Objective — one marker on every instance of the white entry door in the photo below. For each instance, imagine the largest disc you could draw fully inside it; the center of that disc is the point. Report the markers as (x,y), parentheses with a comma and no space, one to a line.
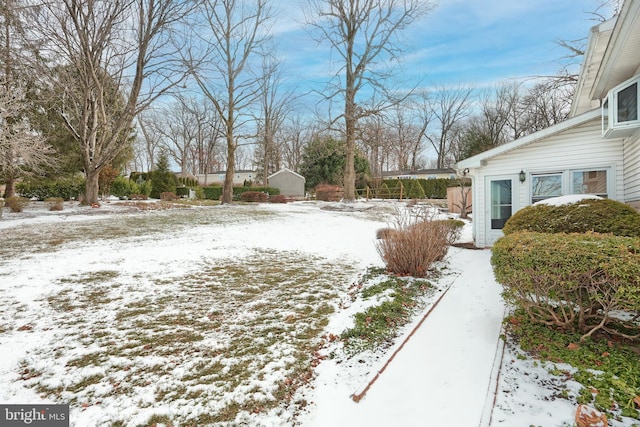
(500,204)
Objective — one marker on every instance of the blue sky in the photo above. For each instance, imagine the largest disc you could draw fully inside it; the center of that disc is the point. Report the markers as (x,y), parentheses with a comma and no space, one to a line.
(470,42)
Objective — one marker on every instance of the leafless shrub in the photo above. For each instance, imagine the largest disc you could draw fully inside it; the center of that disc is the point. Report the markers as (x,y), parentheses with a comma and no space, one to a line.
(168,196)
(384,233)
(329,193)
(55,203)
(16,203)
(278,198)
(254,196)
(415,243)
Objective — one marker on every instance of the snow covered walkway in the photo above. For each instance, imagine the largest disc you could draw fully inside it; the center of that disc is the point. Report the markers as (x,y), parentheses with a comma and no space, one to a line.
(442,375)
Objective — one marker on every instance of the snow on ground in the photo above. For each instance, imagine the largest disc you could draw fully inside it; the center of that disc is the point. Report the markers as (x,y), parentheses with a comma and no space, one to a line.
(444,370)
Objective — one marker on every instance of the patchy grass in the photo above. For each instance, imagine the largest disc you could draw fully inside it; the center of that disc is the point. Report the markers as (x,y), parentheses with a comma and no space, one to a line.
(608,370)
(395,300)
(232,339)
(48,237)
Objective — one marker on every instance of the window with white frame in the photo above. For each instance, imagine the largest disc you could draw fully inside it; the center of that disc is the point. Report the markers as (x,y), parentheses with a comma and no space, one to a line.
(545,185)
(620,115)
(575,181)
(589,182)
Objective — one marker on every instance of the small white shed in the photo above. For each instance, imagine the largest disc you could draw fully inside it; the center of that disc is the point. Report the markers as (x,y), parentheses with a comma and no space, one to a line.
(288,182)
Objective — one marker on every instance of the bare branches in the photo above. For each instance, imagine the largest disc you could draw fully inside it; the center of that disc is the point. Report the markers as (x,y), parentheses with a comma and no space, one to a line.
(234,37)
(114,57)
(450,106)
(363,34)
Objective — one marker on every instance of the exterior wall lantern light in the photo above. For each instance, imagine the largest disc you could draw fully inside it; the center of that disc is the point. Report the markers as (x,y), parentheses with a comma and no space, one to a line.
(522,176)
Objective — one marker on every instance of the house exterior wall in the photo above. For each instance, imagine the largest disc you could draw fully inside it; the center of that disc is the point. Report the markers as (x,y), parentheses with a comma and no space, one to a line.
(422,174)
(632,170)
(289,183)
(578,148)
(218,177)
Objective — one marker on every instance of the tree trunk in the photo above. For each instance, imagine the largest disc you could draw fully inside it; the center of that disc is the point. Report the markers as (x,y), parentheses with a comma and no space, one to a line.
(91,187)
(349,168)
(350,137)
(9,189)
(227,189)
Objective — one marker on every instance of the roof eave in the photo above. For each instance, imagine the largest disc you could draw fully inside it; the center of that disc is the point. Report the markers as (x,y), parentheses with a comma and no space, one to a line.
(625,24)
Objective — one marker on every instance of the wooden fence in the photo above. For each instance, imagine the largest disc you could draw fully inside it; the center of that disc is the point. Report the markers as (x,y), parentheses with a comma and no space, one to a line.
(455,196)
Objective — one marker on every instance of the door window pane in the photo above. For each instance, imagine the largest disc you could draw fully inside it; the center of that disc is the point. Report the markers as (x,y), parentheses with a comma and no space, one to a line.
(501,203)
(590,182)
(545,186)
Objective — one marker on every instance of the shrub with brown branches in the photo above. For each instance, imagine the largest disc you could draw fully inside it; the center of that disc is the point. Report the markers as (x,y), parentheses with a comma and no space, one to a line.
(582,282)
(415,244)
(329,193)
(278,198)
(168,196)
(16,203)
(55,203)
(254,196)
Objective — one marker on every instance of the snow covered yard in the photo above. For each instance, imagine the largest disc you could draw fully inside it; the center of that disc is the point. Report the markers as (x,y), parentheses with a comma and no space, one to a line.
(197,315)
(228,315)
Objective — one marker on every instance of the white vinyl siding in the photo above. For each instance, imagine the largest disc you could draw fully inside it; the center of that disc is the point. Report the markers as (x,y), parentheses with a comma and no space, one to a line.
(578,149)
(632,168)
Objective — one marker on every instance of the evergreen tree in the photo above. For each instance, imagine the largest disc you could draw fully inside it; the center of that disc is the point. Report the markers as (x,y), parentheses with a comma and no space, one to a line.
(323,163)
(162,179)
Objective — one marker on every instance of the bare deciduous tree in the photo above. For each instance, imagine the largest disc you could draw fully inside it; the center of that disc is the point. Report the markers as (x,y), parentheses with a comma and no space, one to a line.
(449,106)
(274,107)
(113,59)
(363,34)
(190,129)
(233,36)
(295,136)
(545,104)
(408,123)
(376,143)
(149,140)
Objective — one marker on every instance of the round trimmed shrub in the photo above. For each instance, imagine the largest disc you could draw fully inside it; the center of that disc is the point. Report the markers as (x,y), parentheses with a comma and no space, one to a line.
(329,192)
(598,215)
(254,196)
(573,281)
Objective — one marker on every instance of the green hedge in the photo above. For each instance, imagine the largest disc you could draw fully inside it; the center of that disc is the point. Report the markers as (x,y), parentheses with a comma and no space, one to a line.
(182,191)
(42,189)
(212,192)
(187,182)
(573,281)
(599,215)
(215,192)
